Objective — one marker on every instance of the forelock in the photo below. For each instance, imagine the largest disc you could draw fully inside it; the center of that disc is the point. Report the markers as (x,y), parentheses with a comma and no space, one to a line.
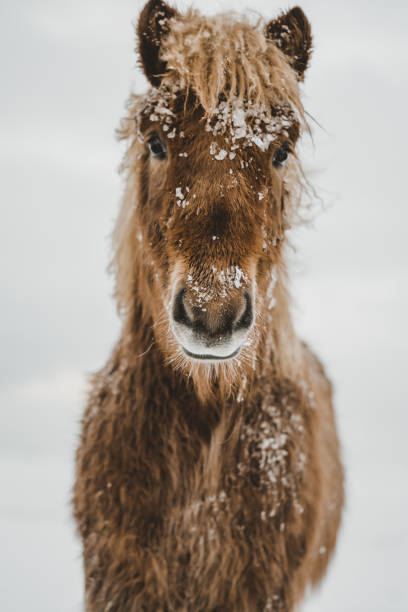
(227,58)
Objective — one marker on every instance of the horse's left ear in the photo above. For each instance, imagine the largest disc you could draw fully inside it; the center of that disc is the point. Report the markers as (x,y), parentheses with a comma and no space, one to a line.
(152,27)
(291,32)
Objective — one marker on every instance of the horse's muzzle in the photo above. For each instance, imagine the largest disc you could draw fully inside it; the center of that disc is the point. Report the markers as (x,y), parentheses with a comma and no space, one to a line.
(211,330)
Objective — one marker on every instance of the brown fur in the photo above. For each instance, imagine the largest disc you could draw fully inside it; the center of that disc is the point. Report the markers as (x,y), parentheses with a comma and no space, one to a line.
(208,486)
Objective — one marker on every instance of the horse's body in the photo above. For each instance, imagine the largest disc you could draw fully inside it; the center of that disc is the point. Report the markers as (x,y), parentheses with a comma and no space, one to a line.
(208,475)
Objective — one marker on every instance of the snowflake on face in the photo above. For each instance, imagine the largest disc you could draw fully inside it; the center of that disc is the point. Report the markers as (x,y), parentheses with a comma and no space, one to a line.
(247,125)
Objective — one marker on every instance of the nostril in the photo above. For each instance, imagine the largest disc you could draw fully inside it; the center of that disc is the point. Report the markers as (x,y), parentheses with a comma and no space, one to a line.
(245,319)
(180,314)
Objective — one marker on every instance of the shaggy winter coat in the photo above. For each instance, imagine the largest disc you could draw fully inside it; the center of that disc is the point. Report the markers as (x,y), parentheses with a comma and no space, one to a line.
(206,483)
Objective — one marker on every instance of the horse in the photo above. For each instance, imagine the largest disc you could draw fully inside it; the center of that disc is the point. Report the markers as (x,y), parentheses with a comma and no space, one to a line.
(208,471)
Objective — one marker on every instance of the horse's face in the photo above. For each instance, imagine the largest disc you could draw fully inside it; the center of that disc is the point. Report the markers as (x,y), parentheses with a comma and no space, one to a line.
(213,207)
(212,211)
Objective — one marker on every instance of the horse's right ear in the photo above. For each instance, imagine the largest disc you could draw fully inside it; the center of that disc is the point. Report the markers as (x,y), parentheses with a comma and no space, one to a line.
(152,27)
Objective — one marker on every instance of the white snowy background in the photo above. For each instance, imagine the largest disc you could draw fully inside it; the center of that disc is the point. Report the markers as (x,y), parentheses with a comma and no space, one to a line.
(66,68)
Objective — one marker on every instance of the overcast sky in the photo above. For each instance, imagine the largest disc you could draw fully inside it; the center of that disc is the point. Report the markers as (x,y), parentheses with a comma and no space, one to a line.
(67,68)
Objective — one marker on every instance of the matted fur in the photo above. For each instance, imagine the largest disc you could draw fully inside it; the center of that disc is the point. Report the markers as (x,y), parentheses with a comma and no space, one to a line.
(208,486)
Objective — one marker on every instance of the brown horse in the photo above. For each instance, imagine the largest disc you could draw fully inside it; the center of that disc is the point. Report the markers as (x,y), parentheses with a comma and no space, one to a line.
(208,472)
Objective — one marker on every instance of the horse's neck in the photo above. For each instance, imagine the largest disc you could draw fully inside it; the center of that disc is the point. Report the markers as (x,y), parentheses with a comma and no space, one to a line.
(280,344)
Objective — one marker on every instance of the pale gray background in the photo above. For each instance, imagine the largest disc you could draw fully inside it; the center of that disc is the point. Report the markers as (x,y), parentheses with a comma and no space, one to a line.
(66,69)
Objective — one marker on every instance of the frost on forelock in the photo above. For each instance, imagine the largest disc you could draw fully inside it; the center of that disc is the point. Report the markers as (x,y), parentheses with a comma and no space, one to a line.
(241,124)
(244,125)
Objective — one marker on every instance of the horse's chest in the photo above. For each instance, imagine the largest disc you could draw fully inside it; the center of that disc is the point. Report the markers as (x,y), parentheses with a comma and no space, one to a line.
(272,456)
(255,486)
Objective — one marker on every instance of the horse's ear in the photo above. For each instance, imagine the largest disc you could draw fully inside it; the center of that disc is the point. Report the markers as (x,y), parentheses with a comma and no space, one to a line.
(291,32)
(152,26)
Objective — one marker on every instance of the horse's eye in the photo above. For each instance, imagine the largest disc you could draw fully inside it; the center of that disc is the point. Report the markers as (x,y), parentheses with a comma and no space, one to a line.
(157,147)
(281,155)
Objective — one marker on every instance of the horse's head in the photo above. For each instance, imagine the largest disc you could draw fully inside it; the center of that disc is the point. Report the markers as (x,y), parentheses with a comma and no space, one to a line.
(212,172)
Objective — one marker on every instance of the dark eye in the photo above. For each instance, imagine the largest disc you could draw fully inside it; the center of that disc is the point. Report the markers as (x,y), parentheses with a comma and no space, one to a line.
(281,155)
(157,147)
